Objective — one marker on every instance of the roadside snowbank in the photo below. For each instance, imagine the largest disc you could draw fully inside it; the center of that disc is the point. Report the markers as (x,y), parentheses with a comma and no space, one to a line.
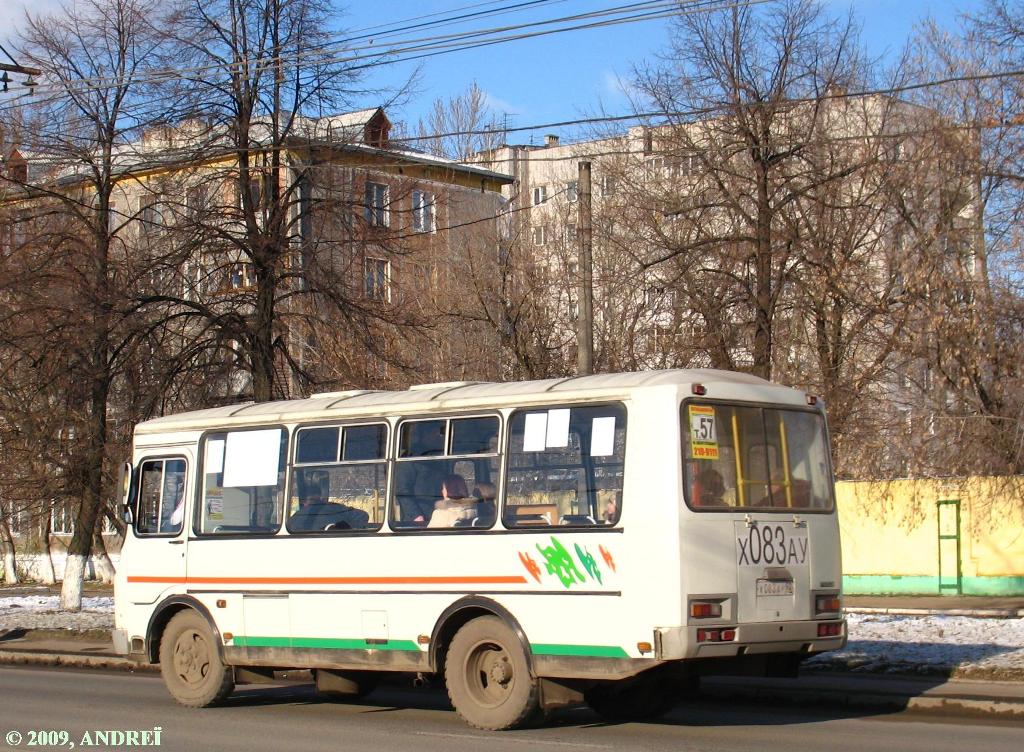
(961,645)
(41,612)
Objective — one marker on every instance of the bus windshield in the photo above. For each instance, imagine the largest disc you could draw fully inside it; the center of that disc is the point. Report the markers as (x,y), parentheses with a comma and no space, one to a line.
(759,457)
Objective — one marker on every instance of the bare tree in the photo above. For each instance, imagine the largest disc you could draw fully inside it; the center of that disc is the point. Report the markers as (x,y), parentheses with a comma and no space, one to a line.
(92,55)
(460,126)
(757,81)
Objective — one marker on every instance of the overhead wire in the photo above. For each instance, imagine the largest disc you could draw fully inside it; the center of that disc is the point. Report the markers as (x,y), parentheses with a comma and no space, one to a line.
(443,43)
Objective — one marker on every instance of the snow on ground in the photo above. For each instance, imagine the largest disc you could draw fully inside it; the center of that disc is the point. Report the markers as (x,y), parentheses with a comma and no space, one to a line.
(41,612)
(962,645)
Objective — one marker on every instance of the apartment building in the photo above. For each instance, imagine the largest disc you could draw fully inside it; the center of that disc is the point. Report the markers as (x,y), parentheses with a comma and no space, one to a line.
(716,247)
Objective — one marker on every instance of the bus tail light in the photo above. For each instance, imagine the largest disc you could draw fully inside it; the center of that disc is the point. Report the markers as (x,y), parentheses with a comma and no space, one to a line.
(827,604)
(699,389)
(812,399)
(705,610)
(716,635)
(831,629)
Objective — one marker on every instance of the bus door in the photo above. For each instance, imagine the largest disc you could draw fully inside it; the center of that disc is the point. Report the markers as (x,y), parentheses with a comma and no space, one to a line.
(157,543)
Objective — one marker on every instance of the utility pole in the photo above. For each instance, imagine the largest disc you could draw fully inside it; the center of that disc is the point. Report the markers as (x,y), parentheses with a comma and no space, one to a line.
(14,67)
(585,320)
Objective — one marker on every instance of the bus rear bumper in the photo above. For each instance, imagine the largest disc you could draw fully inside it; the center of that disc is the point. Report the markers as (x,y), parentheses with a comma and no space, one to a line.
(677,643)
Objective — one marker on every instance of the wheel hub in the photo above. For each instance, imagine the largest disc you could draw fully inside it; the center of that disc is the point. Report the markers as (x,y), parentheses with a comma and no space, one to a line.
(501,672)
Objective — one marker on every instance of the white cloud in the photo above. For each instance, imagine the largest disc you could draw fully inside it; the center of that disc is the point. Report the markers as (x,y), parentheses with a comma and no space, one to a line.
(12,14)
(618,87)
(500,105)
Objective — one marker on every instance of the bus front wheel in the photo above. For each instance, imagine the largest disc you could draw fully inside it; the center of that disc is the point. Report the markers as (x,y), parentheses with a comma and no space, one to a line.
(190,662)
(488,677)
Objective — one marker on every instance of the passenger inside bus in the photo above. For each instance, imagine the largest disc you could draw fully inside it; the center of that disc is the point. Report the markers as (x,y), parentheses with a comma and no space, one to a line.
(456,505)
(710,489)
(485,494)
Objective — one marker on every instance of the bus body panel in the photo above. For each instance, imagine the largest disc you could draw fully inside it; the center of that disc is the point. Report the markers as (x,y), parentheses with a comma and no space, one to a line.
(597,603)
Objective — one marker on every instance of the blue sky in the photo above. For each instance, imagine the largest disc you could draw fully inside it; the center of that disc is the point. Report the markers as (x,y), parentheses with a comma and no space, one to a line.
(560,77)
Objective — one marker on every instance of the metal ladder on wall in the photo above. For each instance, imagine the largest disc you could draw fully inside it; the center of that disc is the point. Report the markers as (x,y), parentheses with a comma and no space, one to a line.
(948,512)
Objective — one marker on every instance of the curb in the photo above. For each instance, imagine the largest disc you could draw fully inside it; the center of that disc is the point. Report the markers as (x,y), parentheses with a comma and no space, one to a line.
(725,688)
(75,660)
(980,613)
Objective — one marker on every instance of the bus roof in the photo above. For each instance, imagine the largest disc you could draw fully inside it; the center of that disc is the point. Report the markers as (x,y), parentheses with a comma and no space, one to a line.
(465,393)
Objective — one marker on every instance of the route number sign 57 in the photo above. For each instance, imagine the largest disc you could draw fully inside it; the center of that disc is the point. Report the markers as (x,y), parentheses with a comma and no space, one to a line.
(703,434)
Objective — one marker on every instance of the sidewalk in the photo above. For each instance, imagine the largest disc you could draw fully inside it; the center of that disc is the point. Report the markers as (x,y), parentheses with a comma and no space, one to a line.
(942,605)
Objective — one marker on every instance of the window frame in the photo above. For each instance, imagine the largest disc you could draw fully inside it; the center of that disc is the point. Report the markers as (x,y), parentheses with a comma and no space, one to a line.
(137,489)
(386,460)
(199,492)
(616,524)
(377,216)
(426,210)
(684,477)
(384,294)
(498,481)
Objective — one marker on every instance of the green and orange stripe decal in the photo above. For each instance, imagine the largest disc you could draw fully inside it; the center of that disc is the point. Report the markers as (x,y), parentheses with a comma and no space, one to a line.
(333,643)
(323,643)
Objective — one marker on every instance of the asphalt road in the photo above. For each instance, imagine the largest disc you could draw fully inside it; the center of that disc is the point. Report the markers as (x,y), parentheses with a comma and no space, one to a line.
(291,717)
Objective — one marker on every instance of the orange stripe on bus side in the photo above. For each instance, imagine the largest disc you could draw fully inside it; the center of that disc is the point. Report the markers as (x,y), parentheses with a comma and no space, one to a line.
(499,580)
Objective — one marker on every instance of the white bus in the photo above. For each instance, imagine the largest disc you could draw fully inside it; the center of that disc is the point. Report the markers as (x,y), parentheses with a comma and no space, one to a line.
(605,539)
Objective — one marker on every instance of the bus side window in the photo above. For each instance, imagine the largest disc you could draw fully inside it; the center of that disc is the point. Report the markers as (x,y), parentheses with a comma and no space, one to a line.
(442,474)
(565,466)
(243,481)
(342,487)
(161,497)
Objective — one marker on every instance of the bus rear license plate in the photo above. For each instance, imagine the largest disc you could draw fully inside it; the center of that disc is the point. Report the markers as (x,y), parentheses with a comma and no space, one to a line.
(774,587)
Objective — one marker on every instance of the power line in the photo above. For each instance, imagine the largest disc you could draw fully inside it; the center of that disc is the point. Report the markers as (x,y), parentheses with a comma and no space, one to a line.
(440,44)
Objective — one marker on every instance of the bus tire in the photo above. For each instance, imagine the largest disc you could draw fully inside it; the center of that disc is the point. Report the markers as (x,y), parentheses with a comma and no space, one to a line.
(488,676)
(190,662)
(638,698)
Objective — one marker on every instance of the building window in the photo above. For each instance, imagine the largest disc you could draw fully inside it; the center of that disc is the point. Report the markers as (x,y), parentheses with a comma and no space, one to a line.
(539,235)
(572,191)
(569,234)
(259,190)
(540,195)
(607,185)
(655,166)
(62,518)
(151,216)
(376,279)
(241,276)
(376,204)
(196,200)
(423,211)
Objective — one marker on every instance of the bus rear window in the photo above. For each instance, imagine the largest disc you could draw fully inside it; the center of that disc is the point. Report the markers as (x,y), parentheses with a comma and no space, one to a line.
(741,456)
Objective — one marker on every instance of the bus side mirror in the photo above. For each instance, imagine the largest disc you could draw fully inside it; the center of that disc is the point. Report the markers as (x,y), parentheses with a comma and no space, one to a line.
(125,486)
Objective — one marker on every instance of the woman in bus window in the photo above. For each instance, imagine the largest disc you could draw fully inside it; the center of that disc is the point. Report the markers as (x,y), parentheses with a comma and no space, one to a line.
(456,504)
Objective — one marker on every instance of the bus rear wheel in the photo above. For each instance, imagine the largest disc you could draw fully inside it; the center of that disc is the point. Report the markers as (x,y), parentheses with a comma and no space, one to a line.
(190,662)
(488,677)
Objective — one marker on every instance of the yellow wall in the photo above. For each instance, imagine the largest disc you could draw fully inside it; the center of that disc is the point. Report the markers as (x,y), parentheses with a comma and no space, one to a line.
(890,534)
